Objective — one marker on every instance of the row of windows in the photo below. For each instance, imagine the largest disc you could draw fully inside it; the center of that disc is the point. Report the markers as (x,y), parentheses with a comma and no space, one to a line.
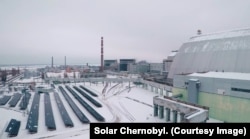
(241,90)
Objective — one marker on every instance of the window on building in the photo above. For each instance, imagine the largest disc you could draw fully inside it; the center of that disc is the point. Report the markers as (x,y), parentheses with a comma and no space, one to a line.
(240,90)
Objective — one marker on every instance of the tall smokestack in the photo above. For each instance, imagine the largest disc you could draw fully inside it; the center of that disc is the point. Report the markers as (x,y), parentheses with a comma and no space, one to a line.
(101,54)
(52,62)
(65,62)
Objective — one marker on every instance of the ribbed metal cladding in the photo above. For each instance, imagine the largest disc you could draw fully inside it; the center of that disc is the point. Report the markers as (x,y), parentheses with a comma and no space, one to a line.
(222,52)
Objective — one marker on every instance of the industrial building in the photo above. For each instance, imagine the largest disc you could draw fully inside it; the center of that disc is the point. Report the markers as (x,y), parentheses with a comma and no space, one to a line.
(111,64)
(156,67)
(168,62)
(123,64)
(139,67)
(212,70)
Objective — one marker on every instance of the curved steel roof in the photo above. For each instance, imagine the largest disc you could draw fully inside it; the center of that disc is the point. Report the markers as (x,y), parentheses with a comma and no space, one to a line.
(225,51)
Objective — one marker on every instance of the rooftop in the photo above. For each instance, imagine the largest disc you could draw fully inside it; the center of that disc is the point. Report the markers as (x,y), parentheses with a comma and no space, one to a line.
(221,35)
(223,75)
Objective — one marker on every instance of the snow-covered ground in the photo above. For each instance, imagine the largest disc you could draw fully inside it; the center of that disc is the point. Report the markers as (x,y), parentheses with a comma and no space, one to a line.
(120,104)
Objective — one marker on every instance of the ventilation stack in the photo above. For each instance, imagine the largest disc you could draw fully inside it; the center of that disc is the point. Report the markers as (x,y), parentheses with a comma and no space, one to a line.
(65,63)
(101,68)
(52,62)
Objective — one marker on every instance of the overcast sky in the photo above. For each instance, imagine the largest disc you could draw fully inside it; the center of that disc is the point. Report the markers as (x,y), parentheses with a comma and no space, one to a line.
(32,31)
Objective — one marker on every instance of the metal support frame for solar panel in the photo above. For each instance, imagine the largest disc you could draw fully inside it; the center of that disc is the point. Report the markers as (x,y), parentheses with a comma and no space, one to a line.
(16,97)
(64,114)
(32,122)
(49,117)
(13,127)
(89,91)
(93,101)
(74,107)
(92,111)
(25,101)
(4,100)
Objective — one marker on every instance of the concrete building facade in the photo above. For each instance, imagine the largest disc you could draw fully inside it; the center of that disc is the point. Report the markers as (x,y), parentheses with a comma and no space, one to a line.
(156,67)
(111,64)
(123,64)
(227,94)
(137,68)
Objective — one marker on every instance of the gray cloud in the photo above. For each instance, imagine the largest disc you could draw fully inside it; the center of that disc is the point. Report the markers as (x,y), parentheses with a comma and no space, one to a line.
(33,31)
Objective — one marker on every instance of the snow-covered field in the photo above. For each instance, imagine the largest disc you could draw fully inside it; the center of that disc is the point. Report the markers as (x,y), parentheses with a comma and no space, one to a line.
(120,104)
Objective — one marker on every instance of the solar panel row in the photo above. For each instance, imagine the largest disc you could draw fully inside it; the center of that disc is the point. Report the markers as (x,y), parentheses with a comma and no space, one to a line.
(13,127)
(74,107)
(4,100)
(89,91)
(64,114)
(92,111)
(16,97)
(32,122)
(97,104)
(25,101)
(49,117)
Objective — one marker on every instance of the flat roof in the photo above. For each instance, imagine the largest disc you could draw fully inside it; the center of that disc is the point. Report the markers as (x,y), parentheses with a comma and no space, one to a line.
(223,75)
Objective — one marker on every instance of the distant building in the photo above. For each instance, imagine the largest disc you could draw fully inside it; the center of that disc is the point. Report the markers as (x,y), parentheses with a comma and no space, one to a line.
(28,73)
(168,62)
(111,65)
(123,65)
(4,75)
(156,67)
(137,68)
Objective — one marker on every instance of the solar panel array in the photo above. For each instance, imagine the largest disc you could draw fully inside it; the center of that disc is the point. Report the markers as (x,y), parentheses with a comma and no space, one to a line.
(74,107)
(4,100)
(16,97)
(32,123)
(49,117)
(13,127)
(92,111)
(64,114)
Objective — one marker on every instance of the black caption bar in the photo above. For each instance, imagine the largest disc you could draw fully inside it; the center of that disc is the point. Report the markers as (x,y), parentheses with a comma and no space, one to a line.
(162,130)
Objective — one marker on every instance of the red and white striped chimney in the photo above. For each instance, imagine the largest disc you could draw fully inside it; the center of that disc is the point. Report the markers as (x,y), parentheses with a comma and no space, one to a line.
(101,54)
